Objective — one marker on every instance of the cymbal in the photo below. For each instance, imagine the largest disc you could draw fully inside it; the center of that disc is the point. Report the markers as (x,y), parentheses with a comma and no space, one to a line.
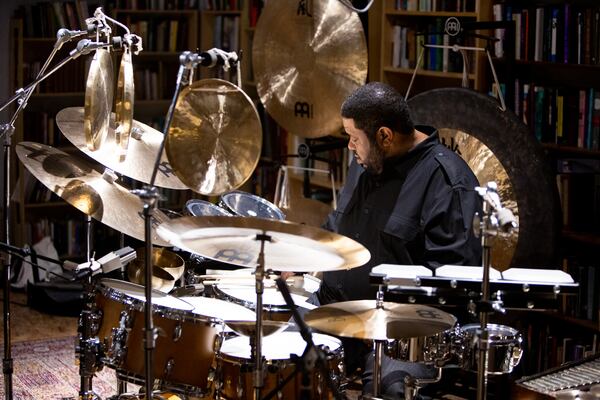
(294,247)
(360,319)
(215,138)
(248,328)
(167,267)
(141,151)
(98,99)
(124,102)
(75,180)
(306,64)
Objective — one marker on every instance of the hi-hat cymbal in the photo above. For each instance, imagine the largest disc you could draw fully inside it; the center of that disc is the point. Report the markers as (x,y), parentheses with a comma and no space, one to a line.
(76,181)
(215,138)
(360,319)
(142,149)
(98,99)
(293,247)
(306,61)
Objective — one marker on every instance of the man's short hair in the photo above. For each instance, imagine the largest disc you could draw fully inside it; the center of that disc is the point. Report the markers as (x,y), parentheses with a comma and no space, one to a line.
(375,105)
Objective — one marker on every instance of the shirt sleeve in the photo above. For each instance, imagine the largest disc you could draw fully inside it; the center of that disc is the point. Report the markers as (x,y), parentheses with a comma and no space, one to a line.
(447,220)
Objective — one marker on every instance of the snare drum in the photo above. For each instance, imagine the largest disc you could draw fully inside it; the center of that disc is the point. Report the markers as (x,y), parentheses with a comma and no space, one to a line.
(504,348)
(236,369)
(248,205)
(202,208)
(430,350)
(185,346)
(274,306)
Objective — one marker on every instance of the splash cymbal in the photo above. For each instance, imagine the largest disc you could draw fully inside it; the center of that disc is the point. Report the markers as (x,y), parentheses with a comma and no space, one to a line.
(141,151)
(76,181)
(360,319)
(215,139)
(293,247)
(306,61)
(98,99)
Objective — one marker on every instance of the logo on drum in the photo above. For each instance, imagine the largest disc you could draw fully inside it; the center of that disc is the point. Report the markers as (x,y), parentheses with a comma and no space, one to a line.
(428,314)
(304,8)
(165,168)
(232,255)
(452,26)
(303,109)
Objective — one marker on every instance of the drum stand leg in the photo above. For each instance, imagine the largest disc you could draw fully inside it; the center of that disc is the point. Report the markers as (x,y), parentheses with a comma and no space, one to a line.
(412,385)
(258,377)
(88,349)
(121,386)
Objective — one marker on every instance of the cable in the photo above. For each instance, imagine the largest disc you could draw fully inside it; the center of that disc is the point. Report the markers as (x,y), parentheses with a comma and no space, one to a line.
(348,4)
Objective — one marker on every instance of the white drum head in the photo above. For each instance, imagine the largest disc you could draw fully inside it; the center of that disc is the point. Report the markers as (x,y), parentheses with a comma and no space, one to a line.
(215,308)
(278,346)
(137,292)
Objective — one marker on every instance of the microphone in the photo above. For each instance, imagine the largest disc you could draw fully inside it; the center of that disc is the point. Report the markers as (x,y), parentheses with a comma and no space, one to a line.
(506,219)
(216,57)
(86,46)
(110,262)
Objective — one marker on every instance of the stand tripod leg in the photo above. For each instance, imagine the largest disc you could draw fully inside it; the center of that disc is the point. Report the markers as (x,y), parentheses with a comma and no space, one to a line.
(7,361)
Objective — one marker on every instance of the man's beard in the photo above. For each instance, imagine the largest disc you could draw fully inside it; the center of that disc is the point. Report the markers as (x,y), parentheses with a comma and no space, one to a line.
(374,162)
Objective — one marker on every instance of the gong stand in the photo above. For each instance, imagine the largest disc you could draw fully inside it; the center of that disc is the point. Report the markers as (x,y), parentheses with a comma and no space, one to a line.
(494,221)
(22,95)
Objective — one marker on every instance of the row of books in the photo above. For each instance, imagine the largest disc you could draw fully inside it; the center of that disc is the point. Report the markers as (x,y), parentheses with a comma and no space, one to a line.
(563,33)
(68,235)
(146,84)
(162,5)
(160,34)
(44,19)
(579,194)
(62,80)
(226,33)
(436,5)
(43,129)
(254,9)
(565,116)
(407,45)
(585,304)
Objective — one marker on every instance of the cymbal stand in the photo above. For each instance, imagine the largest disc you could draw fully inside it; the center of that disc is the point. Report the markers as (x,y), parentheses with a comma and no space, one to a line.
(22,95)
(495,220)
(149,196)
(256,344)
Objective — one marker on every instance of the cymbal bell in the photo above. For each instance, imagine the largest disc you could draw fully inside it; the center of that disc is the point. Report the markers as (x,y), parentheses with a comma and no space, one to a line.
(293,247)
(215,138)
(142,149)
(361,319)
(75,180)
(306,61)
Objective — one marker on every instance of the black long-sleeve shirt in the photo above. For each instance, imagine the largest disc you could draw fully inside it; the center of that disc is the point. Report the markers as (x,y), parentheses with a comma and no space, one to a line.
(418,211)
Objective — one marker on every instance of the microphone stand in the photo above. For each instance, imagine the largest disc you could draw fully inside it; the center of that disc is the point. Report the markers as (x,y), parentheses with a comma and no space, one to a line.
(149,196)
(312,356)
(7,131)
(495,220)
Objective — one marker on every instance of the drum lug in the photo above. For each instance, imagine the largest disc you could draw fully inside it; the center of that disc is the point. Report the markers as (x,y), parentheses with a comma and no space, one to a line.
(240,387)
(217,343)
(118,347)
(169,367)
(177,331)
(95,321)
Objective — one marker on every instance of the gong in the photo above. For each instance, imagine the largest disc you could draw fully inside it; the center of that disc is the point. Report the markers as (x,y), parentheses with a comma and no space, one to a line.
(499,147)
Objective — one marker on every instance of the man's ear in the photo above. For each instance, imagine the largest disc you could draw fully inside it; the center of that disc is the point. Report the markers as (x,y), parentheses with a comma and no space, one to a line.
(384,136)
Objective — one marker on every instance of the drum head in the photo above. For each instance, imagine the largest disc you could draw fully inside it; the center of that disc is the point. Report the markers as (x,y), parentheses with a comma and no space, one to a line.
(202,208)
(496,333)
(249,205)
(215,308)
(121,290)
(247,295)
(278,346)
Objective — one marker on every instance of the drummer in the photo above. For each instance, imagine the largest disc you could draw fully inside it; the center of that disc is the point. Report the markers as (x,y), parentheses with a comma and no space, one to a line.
(408,199)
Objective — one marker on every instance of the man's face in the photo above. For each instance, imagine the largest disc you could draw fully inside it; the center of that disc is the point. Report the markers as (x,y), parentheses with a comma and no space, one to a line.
(368,154)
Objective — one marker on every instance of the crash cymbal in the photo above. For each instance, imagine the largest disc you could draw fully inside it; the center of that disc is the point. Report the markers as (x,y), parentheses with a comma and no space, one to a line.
(124,102)
(98,99)
(75,180)
(360,319)
(306,61)
(141,152)
(215,138)
(248,328)
(499,147)
(293,247)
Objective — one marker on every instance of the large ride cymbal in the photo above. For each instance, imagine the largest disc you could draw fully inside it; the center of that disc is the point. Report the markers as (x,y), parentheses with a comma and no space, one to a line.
(293,247)
(215,138)
(306,61)
(98,99)
(76,181)
(361,319)
(142,149)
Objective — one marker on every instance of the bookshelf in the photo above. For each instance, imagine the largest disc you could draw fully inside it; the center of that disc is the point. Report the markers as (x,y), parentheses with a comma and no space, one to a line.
(405,26)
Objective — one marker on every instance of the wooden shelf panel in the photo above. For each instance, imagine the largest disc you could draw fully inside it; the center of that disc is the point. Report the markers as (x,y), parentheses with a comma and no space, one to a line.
(571,151)
(583,323)
(430,14)
(425,72)
(588,238)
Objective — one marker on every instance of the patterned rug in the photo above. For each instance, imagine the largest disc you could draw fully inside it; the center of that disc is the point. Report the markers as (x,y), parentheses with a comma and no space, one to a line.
(47,370)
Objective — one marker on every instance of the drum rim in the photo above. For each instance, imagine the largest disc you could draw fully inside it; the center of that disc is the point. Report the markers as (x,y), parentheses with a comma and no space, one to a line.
(249,304)
(191,202)
(514,333)
(258,199)
(220,320)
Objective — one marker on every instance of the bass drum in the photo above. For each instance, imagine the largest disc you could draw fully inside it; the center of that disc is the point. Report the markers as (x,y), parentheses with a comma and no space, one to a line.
(499,147)
(249,205)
